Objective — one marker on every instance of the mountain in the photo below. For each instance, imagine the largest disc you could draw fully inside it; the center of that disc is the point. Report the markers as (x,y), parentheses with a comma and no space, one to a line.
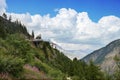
(21,58)
(105,56)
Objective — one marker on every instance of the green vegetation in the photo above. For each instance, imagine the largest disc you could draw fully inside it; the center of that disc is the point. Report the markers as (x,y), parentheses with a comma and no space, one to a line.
(7,27)
(15,52)
(82,71)
(11,65)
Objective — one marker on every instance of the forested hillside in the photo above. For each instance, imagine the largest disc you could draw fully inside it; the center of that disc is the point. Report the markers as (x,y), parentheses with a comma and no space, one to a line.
(8,27)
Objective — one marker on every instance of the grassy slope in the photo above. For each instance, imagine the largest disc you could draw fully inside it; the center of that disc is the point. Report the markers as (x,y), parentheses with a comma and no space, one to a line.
(39,62)
(16,52)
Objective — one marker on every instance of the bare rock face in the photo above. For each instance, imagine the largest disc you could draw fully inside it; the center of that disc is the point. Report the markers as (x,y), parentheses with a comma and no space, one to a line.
(109,64)
(104,57)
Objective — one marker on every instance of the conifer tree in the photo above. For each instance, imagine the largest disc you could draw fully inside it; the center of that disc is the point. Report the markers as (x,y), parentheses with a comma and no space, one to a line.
(94,72)
(10,18)
(4,16)
(32,34)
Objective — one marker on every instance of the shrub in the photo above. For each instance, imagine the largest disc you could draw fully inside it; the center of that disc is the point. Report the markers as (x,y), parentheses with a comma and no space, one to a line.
(56,74)
(40,66)
(11,65)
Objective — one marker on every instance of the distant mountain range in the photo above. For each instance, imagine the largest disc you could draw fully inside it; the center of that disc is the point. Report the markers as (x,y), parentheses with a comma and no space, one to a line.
(105,56)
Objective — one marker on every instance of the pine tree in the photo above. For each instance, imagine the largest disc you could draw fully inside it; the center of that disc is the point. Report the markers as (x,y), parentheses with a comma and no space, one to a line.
(10,18)
(32,34)
(4,16)
(94,72)
(2,30)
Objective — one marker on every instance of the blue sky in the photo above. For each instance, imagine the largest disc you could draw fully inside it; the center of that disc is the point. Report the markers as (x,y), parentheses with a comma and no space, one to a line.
(78,26)
(95,8)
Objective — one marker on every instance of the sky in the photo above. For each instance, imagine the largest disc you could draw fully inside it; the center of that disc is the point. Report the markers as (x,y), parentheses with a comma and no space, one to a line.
(78,26)
(95,8)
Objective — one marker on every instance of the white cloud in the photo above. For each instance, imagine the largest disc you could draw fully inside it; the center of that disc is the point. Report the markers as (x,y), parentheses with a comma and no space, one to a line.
(72,46)
(86,29)
(72,30)
(2,6)
(77,54)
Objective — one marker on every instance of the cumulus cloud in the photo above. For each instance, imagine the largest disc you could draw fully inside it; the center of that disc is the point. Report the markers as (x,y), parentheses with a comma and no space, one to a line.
(72,30)
(2,6)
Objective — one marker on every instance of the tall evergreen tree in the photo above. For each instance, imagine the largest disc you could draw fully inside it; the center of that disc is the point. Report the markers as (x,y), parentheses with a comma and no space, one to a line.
(94,72)
(4,16)
(10,18)
(32,34)
(2,31)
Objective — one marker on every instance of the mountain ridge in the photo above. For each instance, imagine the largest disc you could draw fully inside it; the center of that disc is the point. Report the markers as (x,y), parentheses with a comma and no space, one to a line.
(105,56)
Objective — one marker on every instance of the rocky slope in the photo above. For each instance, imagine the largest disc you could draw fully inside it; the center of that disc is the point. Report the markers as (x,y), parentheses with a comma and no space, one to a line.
(105,56)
